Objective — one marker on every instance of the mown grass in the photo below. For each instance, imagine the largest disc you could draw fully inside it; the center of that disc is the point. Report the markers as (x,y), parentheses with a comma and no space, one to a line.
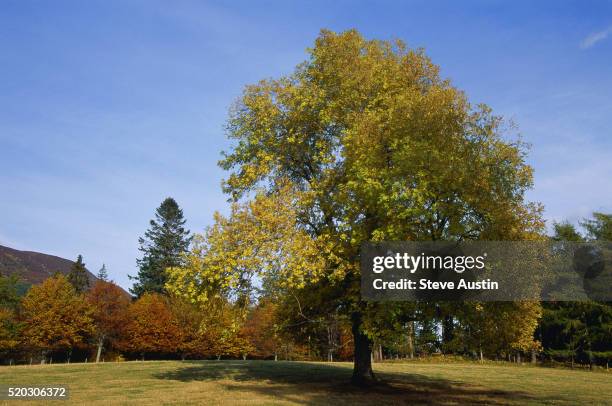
(311,383)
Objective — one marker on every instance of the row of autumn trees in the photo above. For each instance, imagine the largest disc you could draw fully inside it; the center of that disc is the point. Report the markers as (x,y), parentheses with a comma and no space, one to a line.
(55,322)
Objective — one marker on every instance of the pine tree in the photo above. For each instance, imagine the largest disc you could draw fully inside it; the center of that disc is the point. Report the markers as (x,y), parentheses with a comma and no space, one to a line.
(9,292)
(162,246)
(566,231)
(78,276)
(579,331)
(102,274)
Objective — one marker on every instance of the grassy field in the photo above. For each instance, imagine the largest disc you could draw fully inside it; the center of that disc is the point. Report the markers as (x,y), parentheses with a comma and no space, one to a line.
(310,383)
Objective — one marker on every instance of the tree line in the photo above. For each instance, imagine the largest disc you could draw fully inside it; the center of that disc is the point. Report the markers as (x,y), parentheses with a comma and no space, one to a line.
(55,323)
(66,319)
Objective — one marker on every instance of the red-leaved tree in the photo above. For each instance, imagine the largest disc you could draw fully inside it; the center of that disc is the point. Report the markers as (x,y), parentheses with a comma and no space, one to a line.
(152,327)
(110,306)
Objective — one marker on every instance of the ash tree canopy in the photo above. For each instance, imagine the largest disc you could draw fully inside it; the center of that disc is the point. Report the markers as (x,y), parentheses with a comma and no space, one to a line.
(363,141)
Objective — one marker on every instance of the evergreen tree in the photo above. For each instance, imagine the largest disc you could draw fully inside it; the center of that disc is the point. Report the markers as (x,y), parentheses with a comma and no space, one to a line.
(579,331)
(102,274)
(78,276)
(9,293)
(599,228)
(566,231)
(162,246)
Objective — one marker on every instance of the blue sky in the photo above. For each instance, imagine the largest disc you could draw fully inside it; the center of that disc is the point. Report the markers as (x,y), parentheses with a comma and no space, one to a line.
(107,107)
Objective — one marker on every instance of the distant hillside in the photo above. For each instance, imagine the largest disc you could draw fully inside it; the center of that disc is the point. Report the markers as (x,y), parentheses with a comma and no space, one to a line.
(34,267)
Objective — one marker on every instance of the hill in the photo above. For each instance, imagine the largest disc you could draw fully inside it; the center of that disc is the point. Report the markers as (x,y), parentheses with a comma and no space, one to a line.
(34,267)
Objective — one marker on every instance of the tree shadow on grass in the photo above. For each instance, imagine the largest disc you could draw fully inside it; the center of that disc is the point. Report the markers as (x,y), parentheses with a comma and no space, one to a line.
(319,383)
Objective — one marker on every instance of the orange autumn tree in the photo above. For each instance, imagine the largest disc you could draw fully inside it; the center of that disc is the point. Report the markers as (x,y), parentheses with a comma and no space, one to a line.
(211,330)
(110,306)
(55,317)
(152,327)
(261,330)
(193,343)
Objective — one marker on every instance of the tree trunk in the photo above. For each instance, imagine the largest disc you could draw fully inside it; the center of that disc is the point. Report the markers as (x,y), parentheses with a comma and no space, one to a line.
(448,331)
(362,366)
(330,357)
(411,339)
(99,352)
(534,358)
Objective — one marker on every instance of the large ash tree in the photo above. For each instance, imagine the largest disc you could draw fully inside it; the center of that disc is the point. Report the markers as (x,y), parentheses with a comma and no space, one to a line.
(162,246)
(363,141)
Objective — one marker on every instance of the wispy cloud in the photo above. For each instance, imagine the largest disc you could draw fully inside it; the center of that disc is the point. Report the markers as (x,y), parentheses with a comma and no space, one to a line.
(595,37)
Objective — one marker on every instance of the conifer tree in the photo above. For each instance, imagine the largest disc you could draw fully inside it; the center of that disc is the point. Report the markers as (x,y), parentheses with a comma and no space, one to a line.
(102,274)
(9,293)
(599,228)
(579,331)
(78,276)
(162,246)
